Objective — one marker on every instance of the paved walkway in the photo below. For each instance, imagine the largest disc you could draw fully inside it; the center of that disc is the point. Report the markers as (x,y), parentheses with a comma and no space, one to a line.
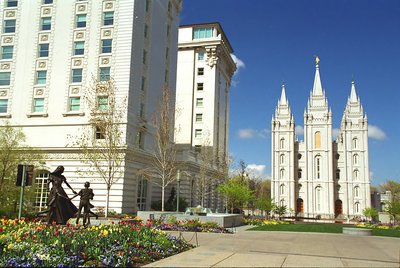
(286,249)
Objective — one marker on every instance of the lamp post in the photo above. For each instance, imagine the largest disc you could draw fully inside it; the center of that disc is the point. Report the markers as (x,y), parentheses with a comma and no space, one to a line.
(178,179)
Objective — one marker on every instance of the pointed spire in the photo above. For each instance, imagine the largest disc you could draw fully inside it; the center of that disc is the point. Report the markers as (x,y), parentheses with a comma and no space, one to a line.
(353,94)
(283,96)
(317,89)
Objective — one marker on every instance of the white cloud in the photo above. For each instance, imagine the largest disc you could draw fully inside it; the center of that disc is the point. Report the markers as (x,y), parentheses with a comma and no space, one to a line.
(249,133)
(239,63)
(299,130)
(375,132)
(335,133)
(255,170)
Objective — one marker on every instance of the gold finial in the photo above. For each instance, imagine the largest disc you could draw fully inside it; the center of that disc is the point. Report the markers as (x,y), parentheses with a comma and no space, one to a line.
(317,60)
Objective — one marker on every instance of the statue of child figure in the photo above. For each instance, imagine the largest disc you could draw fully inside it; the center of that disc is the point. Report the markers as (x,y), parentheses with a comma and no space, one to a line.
(86,195)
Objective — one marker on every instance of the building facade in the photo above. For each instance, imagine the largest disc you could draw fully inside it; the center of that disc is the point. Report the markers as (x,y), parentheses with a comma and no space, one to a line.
(51,52)
(204,72)
(319,177)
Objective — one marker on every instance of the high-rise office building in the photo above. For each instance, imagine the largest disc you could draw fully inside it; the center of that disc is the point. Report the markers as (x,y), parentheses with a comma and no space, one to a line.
(51,50)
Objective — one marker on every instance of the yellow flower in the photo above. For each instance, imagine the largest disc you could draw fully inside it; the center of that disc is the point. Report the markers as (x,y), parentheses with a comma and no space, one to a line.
(10,246)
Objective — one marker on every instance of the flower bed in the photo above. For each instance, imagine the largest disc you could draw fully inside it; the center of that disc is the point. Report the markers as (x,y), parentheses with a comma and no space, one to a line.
(24,243)
(262,221)
(187,226)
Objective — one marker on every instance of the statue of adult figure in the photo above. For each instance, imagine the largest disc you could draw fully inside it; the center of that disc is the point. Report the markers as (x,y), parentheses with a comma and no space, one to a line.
(60,207)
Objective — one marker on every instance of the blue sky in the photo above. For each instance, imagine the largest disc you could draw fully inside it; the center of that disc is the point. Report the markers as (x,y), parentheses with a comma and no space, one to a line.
(276,40)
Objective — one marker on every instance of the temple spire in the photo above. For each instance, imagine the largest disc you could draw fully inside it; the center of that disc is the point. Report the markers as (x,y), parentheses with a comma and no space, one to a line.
(317,89)
(353,94)
(283,100)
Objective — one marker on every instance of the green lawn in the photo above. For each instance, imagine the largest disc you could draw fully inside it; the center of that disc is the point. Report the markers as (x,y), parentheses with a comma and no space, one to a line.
(320,228)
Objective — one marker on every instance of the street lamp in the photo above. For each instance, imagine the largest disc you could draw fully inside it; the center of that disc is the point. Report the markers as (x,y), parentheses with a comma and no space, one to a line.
(178,179)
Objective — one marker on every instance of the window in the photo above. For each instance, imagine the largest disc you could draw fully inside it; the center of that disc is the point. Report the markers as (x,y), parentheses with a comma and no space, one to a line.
(198,133)
(318,191)
(106,46)
(282,143)
(282,173)
(142,193)
(104,73)
(355,143)
(357,208)
(199,118)
(3,105)
(41,190)
(47,2)
(38,105)
(146,30)
(46,24)
(141,112)
(169,7)
(282,189)
(99,134)
(41,77)
(199,102)
(356,174)
(282,159)
(317,140)
(108,18)
(74,104)
(166,52)
(355,159)
(140,139)
(43,50)
(7,52)
(12,3)
(200,86)
(200,55)
(166,75)
(79,48)
(299,173)
(143,84)
(102,103)
(168,29)
(282,202)
(147,5)
(144,57)
(76,75)
(338,174)
(200,71)
(356,191)
(9,26)
(318,167)
(206,32)
(81,21)
(5,79)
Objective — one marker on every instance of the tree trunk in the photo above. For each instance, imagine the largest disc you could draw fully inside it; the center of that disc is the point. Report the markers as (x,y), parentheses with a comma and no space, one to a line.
(107,200)
(162,198)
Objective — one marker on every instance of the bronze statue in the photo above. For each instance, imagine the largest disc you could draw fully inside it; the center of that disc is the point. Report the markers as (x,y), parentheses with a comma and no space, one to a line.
(60,207)
(86,195)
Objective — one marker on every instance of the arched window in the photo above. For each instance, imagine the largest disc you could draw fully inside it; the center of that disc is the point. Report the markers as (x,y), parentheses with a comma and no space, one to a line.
(41,191)
(282,160)
(282,202)
(282,189)
(318,167)
(355,159)
(299,171)
(356,175)
(282,173)
(357,208)
(338,174)
(317,140)
(282,143)
(318,194)
(355,143)
(356,191)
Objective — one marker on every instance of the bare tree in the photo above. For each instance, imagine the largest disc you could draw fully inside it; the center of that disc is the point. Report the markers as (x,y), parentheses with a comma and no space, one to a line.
(102,143)
(206,180)
(164,168)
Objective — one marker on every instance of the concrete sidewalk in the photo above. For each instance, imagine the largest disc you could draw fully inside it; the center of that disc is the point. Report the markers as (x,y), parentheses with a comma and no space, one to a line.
(285,249)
